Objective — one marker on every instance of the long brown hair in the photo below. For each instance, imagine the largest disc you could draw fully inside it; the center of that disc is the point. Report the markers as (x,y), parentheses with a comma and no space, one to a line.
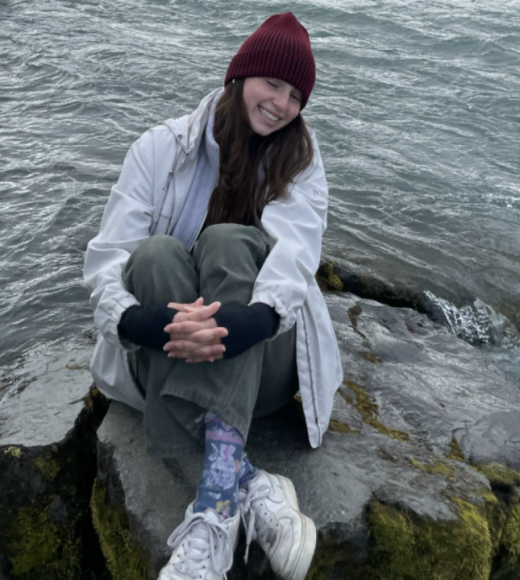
(239,197)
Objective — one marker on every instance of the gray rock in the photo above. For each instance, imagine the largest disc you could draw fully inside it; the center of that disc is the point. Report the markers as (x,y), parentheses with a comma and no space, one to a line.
(386,470)
(334,484)
(425,381)
(46,410)
(353,278)
(47,465)
(495,437)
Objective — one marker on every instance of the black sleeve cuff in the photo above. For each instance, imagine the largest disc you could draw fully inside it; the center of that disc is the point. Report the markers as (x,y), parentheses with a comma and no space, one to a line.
(247,325)
(144,325)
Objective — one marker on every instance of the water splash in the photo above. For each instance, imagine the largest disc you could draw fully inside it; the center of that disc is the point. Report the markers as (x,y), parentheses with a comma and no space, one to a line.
(477,323)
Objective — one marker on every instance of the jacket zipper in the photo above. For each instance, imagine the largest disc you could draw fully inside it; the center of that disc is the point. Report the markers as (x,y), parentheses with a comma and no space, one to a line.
(313,394)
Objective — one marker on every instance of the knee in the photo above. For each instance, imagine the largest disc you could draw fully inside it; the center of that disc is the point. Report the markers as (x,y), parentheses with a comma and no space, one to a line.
(230,244)
(154,248)
(221,233)
(231,236)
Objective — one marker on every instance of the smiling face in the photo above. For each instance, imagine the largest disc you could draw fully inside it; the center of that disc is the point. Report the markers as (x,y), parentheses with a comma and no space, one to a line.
(270,104)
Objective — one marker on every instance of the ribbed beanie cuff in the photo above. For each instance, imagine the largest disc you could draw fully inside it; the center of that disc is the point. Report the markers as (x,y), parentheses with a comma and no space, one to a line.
(280,49)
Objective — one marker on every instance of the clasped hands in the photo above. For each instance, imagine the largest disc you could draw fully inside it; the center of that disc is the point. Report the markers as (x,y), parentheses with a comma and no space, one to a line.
(194,334)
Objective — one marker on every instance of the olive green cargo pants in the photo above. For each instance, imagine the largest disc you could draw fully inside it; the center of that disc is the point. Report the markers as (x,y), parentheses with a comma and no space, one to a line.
(223,266)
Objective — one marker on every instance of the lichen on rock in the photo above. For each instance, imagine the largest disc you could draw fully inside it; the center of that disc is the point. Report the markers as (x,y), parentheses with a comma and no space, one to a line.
(406,548)
(42,547)
(438,467)
(341,427)
(369,411)
(499,476)
(327,277)
(125,560)
(47,466)
(455,453)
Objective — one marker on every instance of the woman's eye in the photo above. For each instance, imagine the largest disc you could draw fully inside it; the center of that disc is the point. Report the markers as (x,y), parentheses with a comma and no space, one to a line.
(296,98)
(272,84)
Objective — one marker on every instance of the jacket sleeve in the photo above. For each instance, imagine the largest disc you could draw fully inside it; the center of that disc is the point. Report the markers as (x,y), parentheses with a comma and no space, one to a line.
(126,222)
(296,225)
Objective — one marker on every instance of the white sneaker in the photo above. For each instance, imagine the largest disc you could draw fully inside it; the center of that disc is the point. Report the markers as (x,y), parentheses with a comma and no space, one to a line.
(203,546)
(270,513)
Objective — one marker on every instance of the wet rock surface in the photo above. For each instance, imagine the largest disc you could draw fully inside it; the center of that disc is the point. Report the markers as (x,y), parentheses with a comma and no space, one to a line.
(391,490)
(47,465)
(494,437)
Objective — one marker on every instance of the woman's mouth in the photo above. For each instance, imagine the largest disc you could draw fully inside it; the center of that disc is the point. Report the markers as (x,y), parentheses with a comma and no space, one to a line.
(269,115)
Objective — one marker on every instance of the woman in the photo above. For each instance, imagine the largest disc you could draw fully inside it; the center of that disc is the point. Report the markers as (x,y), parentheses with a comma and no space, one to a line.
(202,280)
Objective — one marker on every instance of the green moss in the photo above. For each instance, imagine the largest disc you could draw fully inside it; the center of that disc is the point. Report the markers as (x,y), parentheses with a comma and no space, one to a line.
(84,367)
(496,517)
(48,466)
(341,427)
(455,453)
(39,547)
(499,476)
(13,451)
(437,468)
(369,356)
(327,277)
(369,412)
(511,534)
(404,549)
(125,560)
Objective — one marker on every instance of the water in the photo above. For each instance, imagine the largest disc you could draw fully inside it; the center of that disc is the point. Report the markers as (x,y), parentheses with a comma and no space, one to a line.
(416,109)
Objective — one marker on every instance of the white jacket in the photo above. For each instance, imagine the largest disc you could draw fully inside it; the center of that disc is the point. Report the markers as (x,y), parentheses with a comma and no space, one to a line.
(147,200)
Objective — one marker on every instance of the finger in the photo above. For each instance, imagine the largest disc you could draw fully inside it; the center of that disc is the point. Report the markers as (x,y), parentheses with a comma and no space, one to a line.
(190,326)
(183,307)
(178,306)
(196,340)
(209,335)
(189,350)
(189,344)
(194,305)
(200,314)
(188,347)
(186,332)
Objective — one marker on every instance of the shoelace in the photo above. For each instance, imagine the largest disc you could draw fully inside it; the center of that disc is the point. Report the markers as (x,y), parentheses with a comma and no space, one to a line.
(208,540)
(261,492)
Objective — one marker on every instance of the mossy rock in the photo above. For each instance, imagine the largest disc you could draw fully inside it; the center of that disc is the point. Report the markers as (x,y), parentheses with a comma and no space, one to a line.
(499,476)
(405,548)
(45,525)
(455,453)
(43,548)
(125,560)
(437,467)
(369,411)
(327,277)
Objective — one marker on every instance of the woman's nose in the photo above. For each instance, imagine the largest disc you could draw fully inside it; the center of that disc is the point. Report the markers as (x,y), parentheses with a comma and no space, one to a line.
(281,100)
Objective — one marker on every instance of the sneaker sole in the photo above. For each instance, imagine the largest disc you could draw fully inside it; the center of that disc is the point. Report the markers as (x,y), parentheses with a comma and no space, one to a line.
(308,544)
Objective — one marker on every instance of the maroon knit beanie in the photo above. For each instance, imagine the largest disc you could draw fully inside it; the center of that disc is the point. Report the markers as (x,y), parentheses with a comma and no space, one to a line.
(280,49)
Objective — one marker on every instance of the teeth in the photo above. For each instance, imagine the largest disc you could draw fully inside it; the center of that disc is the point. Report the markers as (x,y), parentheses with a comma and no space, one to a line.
(268,114)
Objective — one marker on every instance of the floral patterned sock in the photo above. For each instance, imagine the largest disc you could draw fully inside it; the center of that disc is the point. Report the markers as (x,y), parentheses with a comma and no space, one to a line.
(247,471)
(218,487)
